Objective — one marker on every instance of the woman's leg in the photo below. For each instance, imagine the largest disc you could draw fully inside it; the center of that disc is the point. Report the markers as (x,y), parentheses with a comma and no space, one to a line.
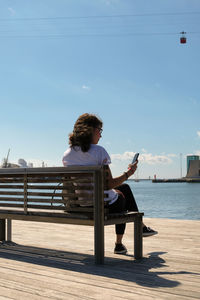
(131,205)
(130,202)
(117,207)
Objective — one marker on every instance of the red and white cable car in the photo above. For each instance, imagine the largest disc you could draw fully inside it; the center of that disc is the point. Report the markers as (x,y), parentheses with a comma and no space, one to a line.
(183,39)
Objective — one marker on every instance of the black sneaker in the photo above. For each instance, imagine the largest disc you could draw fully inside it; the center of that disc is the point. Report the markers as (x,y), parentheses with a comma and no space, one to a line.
(120,249)
(147,231)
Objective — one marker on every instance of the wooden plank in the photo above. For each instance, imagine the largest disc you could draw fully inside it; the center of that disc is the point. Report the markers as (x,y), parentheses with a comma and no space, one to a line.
(10,186)
(46,200)
(49,170)
(170,268)
(43,179)
(46,180)
(9,199)
(85,178)
(11,193)
(50,207)
(82,194)
(39,200)
(119,219)
(9,174)
(15,205)
(44,194)
(86,209)
(55,187)
(11,180)
(75,219)
(12,204)
(45,187)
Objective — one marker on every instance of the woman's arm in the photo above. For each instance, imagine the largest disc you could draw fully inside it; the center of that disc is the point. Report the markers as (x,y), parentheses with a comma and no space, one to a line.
(114,182)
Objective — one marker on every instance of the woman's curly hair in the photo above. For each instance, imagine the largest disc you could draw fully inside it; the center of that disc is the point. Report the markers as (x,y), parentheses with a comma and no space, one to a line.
(83,131)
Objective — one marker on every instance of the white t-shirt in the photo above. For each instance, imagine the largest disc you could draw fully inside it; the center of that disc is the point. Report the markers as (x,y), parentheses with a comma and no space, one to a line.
(96,155)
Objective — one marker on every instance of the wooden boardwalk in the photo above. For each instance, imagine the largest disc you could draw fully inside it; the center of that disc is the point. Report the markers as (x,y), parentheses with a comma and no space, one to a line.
(55,261)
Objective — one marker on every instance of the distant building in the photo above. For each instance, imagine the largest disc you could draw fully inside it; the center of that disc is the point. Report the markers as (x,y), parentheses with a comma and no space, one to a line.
(9,165)
(189,158)
(193,166)
(30,165)
(22,163)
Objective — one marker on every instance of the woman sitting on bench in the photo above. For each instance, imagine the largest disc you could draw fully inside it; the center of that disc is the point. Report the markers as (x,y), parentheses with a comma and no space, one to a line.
(85,151)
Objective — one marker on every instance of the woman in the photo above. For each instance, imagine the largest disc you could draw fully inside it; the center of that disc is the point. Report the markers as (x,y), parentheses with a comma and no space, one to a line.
(85,151)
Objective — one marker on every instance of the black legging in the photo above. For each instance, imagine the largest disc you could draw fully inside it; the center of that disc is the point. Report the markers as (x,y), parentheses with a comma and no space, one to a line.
(125,202)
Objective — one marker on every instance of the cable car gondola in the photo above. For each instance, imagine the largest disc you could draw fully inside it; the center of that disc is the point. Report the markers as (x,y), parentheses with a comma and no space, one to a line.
(183,39)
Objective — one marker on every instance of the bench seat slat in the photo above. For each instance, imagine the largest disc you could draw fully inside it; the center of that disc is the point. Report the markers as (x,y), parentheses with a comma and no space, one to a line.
(44,174)
(37,200)
(17,205)
(44,194)
(11,186)
(8,199)
(51,207)
(11,193)
(11,180)
(64,217)
(12,204)
(43,187)
(43,180)
(54,187)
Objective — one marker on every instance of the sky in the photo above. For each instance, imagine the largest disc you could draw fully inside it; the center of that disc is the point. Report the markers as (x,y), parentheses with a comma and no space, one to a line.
(119,59)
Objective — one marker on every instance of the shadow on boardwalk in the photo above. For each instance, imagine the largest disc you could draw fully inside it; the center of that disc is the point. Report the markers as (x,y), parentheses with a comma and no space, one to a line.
(137,271)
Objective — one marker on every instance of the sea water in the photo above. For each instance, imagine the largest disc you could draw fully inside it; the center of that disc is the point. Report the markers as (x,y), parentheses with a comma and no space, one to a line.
(167,200)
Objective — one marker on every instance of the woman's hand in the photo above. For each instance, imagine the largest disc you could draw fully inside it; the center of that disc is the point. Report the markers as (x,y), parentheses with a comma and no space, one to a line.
(132,168)
(114,182)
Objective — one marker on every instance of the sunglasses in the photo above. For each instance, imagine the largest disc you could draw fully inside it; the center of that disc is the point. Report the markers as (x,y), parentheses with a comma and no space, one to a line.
(100,130)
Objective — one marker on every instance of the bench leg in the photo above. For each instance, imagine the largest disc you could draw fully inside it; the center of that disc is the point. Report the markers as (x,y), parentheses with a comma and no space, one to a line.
(9,230)
(99,219)
(2,230)
(99,244)
(138,245)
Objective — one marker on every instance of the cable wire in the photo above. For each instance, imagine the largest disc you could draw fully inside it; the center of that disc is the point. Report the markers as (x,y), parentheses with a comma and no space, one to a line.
(99,17)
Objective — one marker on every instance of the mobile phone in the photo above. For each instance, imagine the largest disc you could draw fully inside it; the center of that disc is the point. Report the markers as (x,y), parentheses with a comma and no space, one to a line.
(135,158)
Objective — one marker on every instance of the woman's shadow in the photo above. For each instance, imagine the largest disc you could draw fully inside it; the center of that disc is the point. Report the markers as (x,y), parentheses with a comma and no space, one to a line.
(145,277)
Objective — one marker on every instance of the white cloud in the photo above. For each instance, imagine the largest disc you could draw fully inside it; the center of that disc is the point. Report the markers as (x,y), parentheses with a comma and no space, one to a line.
(125,156)
(198,133)
(147,158)
(172,155)
(155,159)
(85,87)
(12,11)
(144,150)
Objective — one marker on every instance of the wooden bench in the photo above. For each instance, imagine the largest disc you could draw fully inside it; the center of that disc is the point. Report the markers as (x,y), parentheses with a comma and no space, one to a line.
(57,195)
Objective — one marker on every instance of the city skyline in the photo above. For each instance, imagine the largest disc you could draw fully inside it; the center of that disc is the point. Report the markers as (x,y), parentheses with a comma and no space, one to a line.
(21,162)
